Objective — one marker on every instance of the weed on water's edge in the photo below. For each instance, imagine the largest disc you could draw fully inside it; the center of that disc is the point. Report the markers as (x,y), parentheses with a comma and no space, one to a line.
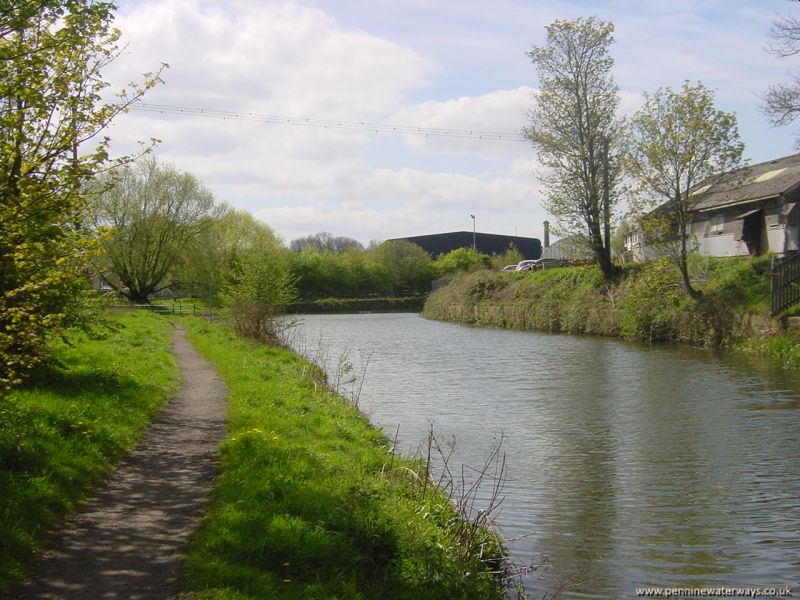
(311,502)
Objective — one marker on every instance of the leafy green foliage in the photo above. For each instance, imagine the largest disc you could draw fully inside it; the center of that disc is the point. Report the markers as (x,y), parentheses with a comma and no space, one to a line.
(408,264)
(258,284)
(351,273)
(461,260)
(51,56)
(390,268)
(61,429)
(574,128)
(311,503)
(648,302)
(678,140)
(511,256)
(150,215)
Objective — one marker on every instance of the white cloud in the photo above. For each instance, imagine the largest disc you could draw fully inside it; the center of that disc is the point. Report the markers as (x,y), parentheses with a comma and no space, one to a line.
(500,112)
(448,65)
(276,57)
(283,58)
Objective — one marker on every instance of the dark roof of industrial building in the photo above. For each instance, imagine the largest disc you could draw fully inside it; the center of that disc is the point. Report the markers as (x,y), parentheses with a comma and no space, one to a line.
(436,244)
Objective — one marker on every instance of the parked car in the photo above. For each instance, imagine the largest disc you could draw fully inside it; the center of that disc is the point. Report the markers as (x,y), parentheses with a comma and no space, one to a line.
(509,268)
(525,265)
(540,263)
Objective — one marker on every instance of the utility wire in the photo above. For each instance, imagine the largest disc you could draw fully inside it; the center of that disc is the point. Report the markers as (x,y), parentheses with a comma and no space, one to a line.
(366,126)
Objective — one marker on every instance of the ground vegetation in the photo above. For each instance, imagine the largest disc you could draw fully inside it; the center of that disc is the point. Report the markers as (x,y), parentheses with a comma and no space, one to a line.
(312,502)
(75,416)
(648,302)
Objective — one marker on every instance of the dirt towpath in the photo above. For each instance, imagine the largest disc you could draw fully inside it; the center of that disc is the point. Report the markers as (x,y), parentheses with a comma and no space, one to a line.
(126,541)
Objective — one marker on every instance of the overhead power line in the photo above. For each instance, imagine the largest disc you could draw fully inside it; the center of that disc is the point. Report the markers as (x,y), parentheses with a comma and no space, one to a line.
(365,126)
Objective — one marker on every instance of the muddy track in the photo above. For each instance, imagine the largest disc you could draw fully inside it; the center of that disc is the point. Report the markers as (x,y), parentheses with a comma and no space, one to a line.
(126,541)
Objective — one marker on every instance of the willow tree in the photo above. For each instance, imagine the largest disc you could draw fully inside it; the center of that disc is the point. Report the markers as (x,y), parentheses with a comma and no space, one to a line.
(574,127)
(679,144)
(52,118)
(150,215)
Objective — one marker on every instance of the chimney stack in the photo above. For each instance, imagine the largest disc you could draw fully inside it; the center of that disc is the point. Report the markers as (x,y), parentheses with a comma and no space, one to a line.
(547,234)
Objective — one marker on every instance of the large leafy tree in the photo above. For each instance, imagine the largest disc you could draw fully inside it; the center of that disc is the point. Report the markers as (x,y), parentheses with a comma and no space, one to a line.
(574,128)
(679,140)
(149,214)
(52,118)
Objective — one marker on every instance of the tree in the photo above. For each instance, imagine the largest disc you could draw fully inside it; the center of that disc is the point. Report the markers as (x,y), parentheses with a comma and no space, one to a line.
(408,265)
(781,101)
(52,53)
(573,126)
(461,260)
(259,285)
(510,257)
(325,242)
(679,140)
(224,236)
(149,214)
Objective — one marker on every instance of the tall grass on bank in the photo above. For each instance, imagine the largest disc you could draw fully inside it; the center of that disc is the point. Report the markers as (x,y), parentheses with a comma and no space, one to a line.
(647,302)
(311,503)
(66,426)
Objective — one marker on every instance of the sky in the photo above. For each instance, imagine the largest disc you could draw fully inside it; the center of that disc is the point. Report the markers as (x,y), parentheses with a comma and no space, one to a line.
(432,65)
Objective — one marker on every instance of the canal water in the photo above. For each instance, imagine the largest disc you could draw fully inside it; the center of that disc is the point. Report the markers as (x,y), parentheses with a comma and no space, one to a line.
(628,465)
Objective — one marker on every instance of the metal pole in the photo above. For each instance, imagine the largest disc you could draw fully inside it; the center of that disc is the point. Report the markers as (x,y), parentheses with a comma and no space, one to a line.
(474,246)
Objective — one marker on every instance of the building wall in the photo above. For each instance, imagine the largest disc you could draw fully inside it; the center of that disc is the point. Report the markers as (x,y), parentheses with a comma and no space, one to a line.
(566,249)
(729,239)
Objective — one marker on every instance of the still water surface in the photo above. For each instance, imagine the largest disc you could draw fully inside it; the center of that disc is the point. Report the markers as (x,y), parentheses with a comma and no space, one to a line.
(630,465)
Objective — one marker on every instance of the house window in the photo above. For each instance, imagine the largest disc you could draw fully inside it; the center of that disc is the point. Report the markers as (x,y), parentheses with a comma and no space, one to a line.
(717,224)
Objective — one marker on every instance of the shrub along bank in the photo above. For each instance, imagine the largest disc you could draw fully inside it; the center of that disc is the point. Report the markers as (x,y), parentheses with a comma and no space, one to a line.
(70,421)
(356,305)
(646,302)
(311,503)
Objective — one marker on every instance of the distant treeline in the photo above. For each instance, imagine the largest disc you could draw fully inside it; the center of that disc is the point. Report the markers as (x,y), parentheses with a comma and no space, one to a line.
(392,268)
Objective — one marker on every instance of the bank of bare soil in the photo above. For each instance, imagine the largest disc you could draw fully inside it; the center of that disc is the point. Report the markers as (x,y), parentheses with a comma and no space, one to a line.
(647,302)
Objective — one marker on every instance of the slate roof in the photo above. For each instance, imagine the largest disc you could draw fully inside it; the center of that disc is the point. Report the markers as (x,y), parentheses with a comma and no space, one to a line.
(755,182)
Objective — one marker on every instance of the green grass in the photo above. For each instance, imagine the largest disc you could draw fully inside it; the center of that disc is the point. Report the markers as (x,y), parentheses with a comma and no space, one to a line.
(647,302)
(310,502)
(61,431)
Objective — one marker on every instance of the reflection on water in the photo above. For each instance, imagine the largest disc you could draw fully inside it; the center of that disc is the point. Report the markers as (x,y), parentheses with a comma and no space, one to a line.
(631,465)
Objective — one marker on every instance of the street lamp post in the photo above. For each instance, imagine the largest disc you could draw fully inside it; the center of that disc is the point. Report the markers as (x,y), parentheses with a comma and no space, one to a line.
(474,246)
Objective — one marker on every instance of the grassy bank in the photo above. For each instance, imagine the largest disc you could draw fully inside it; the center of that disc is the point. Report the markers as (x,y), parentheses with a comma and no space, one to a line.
(647,302)
(311,503)
(62,430)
